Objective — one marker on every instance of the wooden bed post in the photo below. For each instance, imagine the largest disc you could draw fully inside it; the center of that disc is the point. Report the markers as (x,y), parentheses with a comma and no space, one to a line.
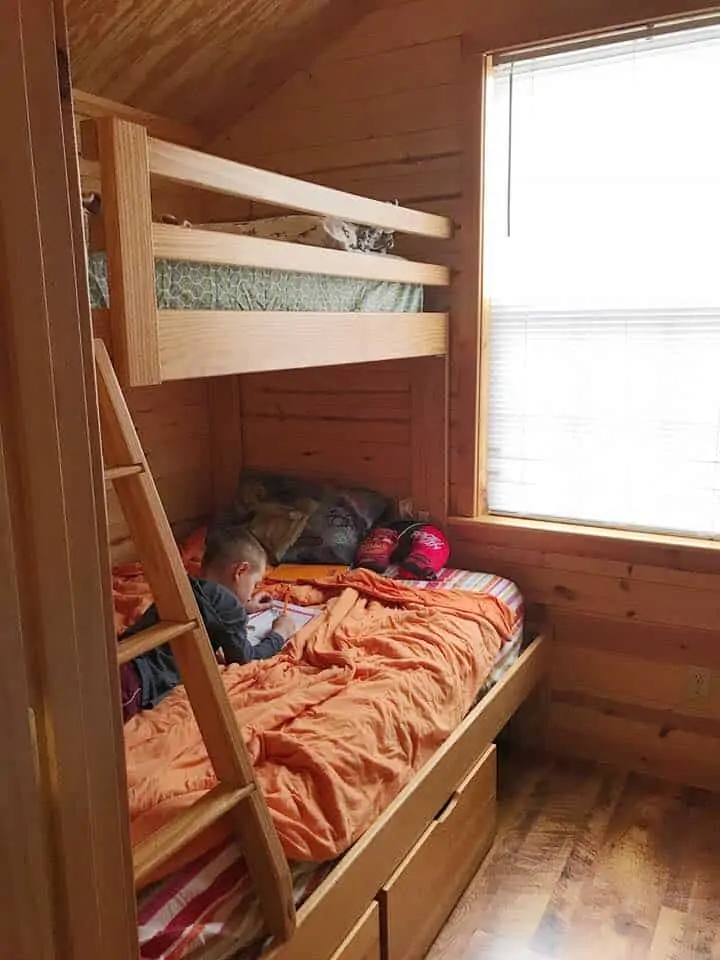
(428,435)
(122,149)
(66,889)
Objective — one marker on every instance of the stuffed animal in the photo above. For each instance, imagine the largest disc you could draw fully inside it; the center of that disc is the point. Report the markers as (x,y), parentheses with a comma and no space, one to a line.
(419,549)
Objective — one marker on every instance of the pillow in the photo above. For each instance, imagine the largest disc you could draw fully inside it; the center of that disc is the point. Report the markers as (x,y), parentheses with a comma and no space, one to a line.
(277,526)
(333,531)
(313,231)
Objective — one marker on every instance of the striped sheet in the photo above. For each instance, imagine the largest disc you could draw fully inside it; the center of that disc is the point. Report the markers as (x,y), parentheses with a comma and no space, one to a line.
(208,908)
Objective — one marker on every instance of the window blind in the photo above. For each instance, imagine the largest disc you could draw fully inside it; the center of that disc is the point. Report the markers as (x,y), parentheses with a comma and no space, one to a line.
(602,270)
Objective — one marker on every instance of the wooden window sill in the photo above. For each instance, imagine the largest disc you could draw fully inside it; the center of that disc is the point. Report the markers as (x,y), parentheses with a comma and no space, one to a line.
(633,547)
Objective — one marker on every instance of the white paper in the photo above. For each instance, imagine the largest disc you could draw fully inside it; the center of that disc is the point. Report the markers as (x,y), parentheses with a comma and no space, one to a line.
(261,624)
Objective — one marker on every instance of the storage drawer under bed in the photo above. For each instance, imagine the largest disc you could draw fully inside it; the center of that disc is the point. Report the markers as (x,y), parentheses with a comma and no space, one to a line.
(417,899)
(363,941)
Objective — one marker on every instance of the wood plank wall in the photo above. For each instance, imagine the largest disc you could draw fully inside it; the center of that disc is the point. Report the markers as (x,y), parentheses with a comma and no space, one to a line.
(347,423)
(376,115)
(380,113)
(173,421)
(629,635)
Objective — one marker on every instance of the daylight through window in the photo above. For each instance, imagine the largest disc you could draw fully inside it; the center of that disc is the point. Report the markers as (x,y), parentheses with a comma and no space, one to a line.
(602,269)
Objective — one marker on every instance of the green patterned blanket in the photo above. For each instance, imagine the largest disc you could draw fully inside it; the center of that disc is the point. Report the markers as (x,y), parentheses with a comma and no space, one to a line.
(207,286)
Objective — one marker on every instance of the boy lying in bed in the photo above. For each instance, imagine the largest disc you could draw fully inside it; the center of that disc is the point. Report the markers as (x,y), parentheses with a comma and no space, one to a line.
(233,564)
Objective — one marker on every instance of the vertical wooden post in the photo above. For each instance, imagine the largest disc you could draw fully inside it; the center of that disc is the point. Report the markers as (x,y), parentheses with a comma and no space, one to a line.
(122,149)
(467,453)
(429,435)
(63,687)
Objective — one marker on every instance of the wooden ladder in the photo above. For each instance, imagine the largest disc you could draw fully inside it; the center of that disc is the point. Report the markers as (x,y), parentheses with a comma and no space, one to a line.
(180,625)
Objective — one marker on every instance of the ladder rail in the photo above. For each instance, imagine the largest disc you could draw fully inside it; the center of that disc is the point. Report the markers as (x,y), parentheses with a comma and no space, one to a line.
(176,604)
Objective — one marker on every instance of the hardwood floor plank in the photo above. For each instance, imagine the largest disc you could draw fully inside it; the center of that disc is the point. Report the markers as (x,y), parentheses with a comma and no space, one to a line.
(668,936)
(701,940)
(592,863)
(565,898)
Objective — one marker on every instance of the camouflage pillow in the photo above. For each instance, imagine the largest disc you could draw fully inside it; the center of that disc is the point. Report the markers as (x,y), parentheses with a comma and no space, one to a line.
(333,531)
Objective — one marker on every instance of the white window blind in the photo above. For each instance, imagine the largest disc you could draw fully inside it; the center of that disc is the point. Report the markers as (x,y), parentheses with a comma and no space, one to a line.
(602,269)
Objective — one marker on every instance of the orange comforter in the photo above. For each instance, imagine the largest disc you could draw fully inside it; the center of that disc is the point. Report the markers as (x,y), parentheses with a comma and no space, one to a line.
(337,724)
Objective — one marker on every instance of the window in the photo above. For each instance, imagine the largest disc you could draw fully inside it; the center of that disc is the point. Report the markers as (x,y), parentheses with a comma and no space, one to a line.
(602,271)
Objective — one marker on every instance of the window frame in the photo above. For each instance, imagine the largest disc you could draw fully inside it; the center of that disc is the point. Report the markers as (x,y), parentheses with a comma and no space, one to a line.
(469,518)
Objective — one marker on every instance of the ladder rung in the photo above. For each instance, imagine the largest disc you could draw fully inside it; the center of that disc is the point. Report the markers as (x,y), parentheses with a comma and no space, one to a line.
(156,849)
(129,470)
(152,637)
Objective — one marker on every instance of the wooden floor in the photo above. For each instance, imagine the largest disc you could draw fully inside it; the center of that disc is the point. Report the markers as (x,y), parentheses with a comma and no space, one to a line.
(592,864)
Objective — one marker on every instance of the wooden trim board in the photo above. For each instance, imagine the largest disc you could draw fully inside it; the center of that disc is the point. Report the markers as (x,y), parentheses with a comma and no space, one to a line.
(577,540)
(467,330)
(220,342)
(237,179)
(88,106)
(50,447)
(429,436)
(327,916)
(210,246)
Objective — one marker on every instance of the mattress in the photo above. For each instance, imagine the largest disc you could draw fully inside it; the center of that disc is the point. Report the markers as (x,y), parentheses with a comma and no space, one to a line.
(208,909)
(182,285)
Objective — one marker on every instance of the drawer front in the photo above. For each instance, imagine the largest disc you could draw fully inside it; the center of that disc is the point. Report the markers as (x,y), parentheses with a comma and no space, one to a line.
(422,892)
(363,941)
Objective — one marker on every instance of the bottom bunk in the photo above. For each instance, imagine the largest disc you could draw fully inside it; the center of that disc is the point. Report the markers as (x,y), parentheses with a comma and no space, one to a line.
(401,878)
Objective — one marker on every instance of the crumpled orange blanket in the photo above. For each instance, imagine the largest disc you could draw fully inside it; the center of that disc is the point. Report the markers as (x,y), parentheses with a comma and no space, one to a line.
(338,723)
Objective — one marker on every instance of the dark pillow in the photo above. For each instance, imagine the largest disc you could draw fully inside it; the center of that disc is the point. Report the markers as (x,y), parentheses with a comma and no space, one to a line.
(334,529)
(277,526)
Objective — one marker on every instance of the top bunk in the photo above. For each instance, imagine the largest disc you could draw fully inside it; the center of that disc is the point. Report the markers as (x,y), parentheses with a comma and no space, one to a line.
(272,304)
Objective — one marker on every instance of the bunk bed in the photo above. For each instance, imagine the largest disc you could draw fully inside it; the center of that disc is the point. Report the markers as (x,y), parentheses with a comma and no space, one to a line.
(151,343)
(392,890)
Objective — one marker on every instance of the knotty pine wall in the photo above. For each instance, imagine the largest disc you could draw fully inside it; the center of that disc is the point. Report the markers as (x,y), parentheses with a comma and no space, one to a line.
(381,425)
(380,113)
(360,121)
(630,626)
(351,423)
(174,424)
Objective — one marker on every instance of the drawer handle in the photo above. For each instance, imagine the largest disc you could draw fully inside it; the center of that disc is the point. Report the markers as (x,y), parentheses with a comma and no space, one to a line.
(449,808)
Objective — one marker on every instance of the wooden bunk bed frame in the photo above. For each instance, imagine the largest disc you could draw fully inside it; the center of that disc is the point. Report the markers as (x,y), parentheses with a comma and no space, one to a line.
(150,345)
(391,892)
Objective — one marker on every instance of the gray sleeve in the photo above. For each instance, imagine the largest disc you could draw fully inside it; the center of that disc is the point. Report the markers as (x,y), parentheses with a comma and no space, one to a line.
(229,630)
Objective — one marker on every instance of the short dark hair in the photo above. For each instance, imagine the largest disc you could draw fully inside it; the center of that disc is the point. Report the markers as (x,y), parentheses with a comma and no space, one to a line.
(229,543)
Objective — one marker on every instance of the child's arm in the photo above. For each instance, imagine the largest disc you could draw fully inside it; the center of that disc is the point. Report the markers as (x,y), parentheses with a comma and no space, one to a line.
(228,629)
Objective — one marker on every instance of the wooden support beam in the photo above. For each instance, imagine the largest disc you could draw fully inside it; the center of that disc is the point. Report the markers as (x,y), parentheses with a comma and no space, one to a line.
(122,149)
(217,343)
(240,180)
(208,246)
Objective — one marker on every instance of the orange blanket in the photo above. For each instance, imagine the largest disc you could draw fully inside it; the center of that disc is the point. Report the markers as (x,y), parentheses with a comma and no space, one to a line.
(338,723)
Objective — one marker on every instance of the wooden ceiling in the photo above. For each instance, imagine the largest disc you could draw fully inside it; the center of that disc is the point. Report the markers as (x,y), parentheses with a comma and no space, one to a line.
(204,62)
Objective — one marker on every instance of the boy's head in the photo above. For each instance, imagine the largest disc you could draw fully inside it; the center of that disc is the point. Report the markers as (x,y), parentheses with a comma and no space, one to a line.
(235,559)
